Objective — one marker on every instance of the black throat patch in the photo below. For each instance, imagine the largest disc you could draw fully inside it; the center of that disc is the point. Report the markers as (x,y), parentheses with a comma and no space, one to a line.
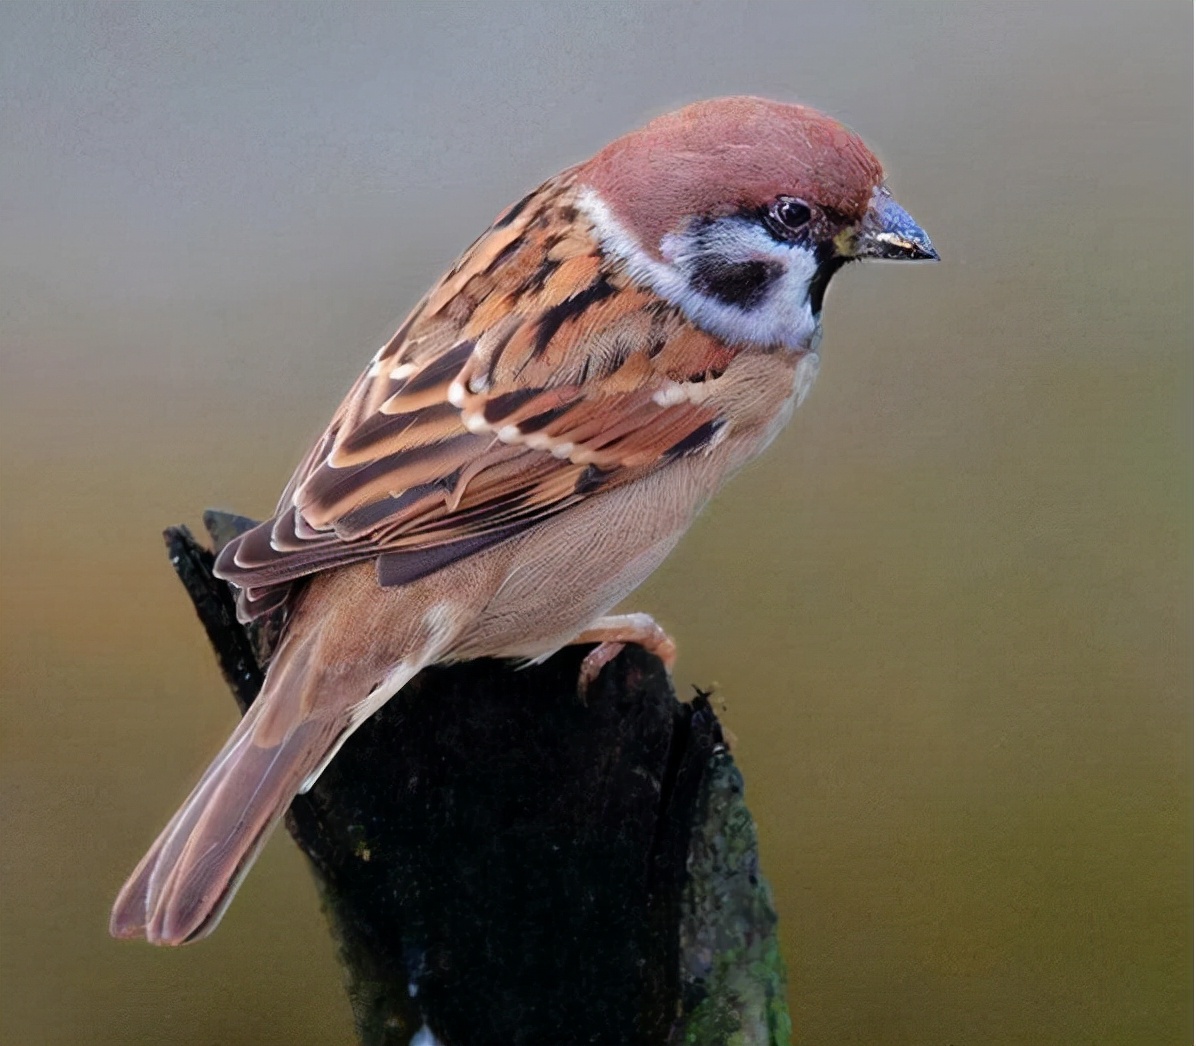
(829,263)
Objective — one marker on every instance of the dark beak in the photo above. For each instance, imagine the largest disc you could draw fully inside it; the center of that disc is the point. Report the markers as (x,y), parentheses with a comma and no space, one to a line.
(888,232)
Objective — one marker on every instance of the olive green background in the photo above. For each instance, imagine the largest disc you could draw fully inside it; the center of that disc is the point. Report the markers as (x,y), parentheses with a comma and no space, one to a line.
(949,613)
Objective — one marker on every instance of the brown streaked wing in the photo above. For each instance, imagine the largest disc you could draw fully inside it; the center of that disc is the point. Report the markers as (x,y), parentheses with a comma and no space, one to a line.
(510,393)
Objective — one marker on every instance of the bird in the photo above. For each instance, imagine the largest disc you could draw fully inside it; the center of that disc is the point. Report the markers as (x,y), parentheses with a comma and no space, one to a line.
(528,447)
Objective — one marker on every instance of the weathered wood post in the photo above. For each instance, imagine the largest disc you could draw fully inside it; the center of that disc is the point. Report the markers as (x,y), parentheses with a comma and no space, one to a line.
(503,862)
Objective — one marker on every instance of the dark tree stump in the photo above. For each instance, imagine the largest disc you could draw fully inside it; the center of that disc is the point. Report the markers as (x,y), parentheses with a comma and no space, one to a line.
(503,862)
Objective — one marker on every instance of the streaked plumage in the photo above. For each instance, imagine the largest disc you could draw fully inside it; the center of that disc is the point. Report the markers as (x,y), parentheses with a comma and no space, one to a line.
(529,445)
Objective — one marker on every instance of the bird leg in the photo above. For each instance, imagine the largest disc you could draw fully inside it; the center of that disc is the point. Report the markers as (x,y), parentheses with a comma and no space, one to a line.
(612,634)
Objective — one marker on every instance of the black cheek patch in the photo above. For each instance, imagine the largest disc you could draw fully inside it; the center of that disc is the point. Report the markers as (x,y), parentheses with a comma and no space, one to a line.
(742,284)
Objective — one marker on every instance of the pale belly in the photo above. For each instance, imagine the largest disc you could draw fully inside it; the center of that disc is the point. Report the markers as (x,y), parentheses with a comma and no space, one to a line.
(526,597)
(574,569)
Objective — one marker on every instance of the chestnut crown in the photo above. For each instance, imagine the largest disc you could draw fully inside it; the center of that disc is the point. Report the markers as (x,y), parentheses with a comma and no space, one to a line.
(726,154)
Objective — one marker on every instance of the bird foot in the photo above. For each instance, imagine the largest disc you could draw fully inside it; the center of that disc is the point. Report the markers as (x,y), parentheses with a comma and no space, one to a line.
(615,632)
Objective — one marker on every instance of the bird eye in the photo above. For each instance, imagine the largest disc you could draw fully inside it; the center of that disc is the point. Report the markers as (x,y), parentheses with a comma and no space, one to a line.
(790,214)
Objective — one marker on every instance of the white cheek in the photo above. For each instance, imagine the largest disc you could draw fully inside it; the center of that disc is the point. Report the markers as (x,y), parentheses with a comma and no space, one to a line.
(783,318)
(788,304)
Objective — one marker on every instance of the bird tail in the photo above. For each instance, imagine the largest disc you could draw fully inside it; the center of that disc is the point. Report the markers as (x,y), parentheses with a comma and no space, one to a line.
(304,713)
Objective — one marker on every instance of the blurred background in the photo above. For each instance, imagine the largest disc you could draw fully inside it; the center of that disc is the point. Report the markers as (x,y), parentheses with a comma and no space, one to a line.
(949,613)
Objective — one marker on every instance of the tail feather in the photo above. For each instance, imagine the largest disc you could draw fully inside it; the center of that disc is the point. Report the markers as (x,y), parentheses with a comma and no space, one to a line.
(185,882)
(136,901)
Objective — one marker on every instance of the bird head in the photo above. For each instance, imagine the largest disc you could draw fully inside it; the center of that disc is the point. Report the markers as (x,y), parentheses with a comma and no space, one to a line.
(740,210)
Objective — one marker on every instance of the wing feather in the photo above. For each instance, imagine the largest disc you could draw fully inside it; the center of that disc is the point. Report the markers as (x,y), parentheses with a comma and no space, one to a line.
(534,375)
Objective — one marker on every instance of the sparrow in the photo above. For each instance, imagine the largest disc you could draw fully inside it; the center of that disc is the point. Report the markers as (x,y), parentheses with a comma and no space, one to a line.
(530,445)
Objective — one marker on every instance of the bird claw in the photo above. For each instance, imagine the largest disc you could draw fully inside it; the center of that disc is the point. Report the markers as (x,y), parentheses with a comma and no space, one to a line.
(612,634)
(593,663)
